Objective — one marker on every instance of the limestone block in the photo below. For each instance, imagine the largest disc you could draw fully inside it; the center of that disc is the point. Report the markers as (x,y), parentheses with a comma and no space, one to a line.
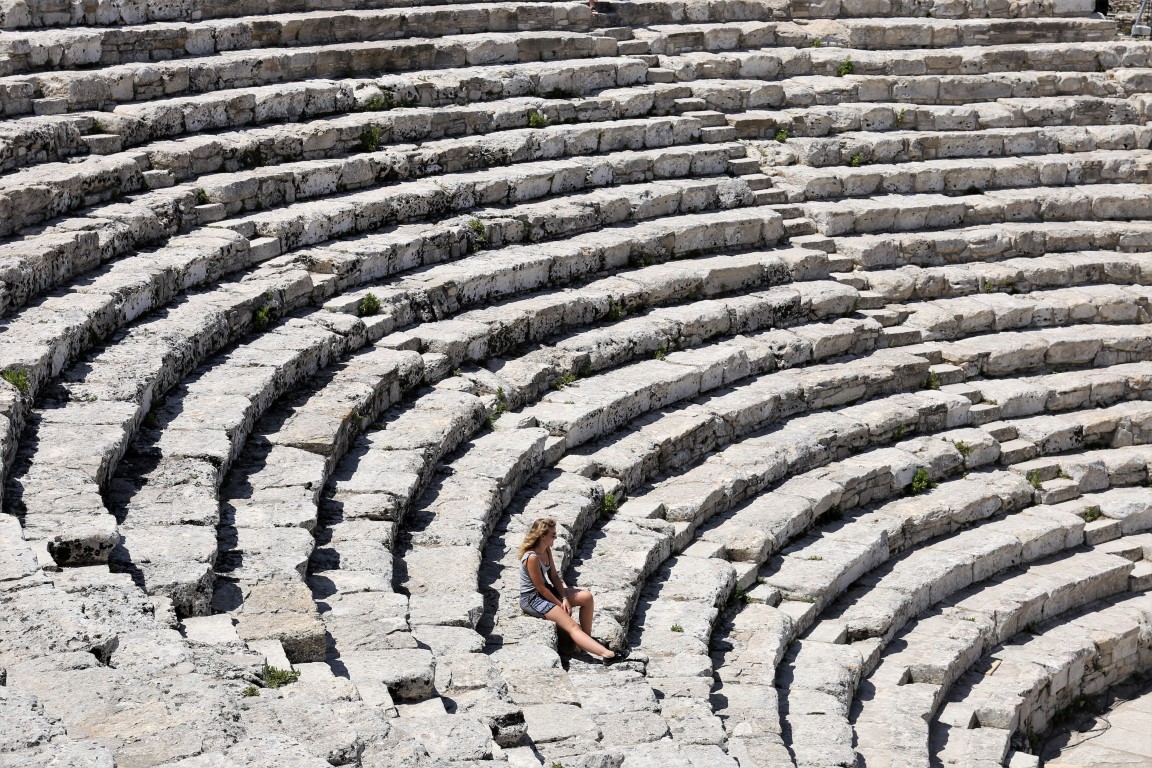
(555,722)
(407,673)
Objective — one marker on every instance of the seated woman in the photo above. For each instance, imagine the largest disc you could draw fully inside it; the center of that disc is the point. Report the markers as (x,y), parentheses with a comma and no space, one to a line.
(544,594)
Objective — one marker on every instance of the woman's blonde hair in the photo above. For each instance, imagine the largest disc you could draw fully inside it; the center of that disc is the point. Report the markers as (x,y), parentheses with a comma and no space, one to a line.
(535,532)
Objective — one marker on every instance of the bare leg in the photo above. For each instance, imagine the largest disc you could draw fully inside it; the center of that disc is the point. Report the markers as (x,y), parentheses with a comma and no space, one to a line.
(578,635)
(582,599)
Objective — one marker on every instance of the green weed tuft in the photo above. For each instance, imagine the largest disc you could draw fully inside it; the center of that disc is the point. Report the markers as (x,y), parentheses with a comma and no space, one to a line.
(370,139)
(477,237)
(368,306)
(856,160)
(782,135)
(932,382)
(499,410)
(1034,480)
(17,377)
(250,691)
(921,481)
(262,317)
(385,101)
(845,67)
(964,448)
(564,381)
(380,103)
(277,678)
(536,119)
(677,628)
(1092,514)
(609,506)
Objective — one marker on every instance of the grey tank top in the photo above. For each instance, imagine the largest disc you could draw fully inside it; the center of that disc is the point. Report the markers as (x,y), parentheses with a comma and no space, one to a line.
(526,585)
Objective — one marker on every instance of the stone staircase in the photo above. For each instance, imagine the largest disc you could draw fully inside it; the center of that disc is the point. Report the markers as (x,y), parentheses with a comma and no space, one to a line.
(823,329)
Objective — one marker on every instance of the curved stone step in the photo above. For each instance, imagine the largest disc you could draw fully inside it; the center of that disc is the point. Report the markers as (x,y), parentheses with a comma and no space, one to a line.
(1018,687)
(696,494)
(1015,276)
(69,92)
(945,318)
(905,587)
(942,31)
(959,632)
(989,612)
(64,332)
(42,139)
(1124,705)
(354,161)
(894,593)
(869,34)
(44,14)
(39,139)
(819,121)
(976,8)
(906,212)
(701,606)
(77,47)
(769,63)
(919,90)
(826,671)
(865,148)
(729,414)
(262,518)
(265,299)
(969,176)
(239,68)
(973,247)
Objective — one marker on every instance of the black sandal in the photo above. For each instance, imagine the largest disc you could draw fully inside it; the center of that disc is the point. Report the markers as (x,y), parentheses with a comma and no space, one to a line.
(610,660)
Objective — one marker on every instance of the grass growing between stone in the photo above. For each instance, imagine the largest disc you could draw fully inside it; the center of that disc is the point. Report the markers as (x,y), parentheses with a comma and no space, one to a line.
(368,306)
(921,481)
(609,506)
(17,377)
(274,677)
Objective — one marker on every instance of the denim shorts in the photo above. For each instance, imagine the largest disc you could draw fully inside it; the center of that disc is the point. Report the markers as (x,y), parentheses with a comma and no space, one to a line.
(534,605)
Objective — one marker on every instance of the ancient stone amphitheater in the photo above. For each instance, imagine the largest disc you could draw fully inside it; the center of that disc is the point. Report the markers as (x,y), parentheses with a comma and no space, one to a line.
(822,327)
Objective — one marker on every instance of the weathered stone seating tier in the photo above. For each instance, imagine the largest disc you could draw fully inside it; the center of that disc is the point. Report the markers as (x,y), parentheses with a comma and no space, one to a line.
(821,328)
